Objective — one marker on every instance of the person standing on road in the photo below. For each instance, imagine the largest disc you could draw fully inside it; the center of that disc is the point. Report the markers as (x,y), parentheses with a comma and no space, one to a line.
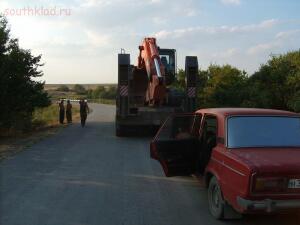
(69,112)
(84,110)
(61,112)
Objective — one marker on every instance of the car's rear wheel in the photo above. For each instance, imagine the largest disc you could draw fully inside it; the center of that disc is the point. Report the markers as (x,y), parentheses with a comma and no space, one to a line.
(215,199)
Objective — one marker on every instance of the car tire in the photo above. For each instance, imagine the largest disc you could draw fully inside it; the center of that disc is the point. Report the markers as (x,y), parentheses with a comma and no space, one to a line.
(215,199)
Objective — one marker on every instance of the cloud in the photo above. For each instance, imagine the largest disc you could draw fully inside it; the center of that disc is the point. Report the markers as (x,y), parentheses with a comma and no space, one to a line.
(189,12)
(4,5)
(216,30)
(283,40)
(155,1)
(264,47)
(226,53)
(288,34)
(268,23)
(83,47)
(96,39)
(231,2)
(94,3)
(159,20)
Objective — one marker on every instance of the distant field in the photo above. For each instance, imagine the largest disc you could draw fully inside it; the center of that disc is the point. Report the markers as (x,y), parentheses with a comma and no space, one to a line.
(56,95)
(71,86)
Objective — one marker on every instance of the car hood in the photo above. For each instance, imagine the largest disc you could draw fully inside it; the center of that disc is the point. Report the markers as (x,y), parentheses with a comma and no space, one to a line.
(270,160)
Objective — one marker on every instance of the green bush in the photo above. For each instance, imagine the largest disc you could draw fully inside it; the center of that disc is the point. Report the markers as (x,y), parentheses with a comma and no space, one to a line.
(79,89)
(63,88)
(225,86)
(102,93)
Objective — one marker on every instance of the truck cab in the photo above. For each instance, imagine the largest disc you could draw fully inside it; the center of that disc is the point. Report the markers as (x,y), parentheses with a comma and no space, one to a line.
(169,61)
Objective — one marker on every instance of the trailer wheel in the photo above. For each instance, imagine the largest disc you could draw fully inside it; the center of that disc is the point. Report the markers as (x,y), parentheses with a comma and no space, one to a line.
(215,199)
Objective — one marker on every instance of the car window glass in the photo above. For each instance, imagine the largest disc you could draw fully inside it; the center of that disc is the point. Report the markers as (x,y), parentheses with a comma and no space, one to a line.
(180,127)
(196,125)
(209,130)
(263,131)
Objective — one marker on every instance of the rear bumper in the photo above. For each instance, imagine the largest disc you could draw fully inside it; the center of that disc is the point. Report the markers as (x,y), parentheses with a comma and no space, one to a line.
(268,205)
(148,116)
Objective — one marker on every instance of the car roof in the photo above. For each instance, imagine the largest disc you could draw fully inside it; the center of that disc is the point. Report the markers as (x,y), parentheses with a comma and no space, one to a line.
(246,111)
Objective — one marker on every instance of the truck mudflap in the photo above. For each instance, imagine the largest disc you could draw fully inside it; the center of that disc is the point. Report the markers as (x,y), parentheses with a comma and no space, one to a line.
(191,73)
(123,84)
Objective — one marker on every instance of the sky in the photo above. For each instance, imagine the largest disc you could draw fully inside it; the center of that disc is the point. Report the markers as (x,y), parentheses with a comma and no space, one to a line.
(79,40)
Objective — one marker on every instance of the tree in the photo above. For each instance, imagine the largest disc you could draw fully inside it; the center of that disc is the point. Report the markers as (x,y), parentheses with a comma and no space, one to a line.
(79,89)
(110,93)
(294,102)
(63,88)
(277,83)
(179,82)
(98,92)
(222,86)
(20,93)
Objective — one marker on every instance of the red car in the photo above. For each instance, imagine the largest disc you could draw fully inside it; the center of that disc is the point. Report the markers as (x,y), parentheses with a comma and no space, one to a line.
(248,158)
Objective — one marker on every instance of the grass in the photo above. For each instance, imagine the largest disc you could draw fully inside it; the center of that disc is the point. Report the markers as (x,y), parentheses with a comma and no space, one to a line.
(45,123)
(44,117)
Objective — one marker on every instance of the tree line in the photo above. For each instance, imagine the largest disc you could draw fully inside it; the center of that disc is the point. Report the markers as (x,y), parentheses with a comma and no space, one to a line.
(78,89)
(102,93)
(275,85)
(99,92)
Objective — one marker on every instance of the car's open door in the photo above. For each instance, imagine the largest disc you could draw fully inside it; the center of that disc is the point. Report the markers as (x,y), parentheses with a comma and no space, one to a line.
(176,143)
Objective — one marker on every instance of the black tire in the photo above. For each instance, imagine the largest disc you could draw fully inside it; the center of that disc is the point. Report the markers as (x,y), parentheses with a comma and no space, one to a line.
(215,199)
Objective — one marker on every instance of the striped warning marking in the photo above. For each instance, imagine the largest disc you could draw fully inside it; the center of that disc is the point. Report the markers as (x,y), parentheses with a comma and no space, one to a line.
(124,90)
(191,92)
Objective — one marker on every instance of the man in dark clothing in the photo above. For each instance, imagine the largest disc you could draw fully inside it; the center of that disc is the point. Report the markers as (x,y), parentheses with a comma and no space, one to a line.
(61,112)
(69,112)
(84,110)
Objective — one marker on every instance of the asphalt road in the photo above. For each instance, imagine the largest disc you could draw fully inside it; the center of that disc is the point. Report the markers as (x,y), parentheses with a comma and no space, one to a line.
(87,176)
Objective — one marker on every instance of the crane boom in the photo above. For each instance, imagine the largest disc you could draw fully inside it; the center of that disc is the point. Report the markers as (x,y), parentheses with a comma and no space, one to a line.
(150,60)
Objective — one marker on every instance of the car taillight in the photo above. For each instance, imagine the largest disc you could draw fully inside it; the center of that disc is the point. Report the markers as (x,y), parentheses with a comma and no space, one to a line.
(270,184)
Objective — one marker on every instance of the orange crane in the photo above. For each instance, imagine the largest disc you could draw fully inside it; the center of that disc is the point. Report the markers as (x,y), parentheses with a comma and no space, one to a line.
(144,96)
(149,58)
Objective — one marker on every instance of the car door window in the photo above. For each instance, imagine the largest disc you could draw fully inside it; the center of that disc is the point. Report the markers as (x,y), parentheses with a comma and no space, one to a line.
(208,141)
(209,130)
(179,127)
